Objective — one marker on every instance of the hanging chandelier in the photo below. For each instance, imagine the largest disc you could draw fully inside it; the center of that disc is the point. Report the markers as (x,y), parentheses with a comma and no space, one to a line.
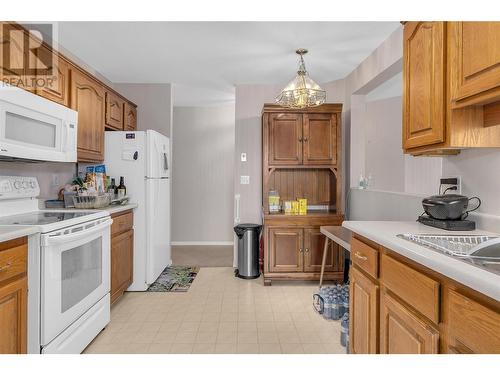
(302,91)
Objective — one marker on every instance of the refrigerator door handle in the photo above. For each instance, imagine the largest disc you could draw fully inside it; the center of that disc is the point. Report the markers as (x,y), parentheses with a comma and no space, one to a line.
(165,161)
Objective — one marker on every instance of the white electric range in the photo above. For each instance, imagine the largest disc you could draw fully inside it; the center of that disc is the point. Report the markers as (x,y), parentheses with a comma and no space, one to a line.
(68,268)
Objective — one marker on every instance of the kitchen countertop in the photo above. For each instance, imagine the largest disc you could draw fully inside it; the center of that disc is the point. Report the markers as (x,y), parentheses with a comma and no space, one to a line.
(339,235)
(10,232)
(119,208)
(384,233)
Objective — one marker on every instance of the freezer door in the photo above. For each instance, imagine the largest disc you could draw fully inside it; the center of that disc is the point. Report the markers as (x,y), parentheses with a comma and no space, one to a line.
(157,227)
(158,164)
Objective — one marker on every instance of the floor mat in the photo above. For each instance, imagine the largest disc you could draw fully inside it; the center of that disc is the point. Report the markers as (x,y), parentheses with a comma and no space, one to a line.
(174,279)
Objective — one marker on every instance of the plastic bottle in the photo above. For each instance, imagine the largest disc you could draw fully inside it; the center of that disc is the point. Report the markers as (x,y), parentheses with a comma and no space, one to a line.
(344,330)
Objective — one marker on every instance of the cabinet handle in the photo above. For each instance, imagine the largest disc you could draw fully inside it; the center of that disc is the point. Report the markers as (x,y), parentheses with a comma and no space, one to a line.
(359,256)
(307,250)
(301,140)
(300,250)
(305,139)
(7,266)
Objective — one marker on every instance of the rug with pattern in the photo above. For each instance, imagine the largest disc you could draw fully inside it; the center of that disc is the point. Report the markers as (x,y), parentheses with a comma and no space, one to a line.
(175,279)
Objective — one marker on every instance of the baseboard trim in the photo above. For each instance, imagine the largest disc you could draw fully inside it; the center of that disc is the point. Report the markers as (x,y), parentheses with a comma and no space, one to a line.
(202,243)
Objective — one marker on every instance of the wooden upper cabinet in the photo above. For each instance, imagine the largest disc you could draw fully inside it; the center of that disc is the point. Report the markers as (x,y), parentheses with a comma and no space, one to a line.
(87,97)
(115,111)
(475,62)
(56,86)
(363,323)
(285,139)
(403,332)
(320,138)
(471,326)
(424,84)
(130,114)
(314,243)
(285,248)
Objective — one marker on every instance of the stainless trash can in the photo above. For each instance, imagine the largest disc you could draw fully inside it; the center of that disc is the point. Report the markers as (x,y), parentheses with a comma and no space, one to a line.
(248,250)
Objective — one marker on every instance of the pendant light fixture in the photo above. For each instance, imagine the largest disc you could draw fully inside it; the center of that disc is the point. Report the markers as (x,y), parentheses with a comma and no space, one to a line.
(302,91)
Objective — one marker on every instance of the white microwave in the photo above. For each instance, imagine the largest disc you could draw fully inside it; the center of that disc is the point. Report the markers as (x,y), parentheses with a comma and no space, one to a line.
(35,128)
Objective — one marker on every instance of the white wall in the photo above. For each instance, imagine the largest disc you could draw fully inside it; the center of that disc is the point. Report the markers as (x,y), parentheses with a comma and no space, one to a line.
(202,198)
(154,104)
(248,138)
(44,172)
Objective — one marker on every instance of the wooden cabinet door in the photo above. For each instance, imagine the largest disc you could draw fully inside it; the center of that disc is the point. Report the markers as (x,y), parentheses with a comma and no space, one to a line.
(87,97)
(476,62)
(13,317)
(363,327)
(471,326)
(314,243)
(56,86)
(13,56)
(130,117)
(402,332)
(285,250)
(320,138)
(122,253)
(285,139)
(423,84)
(114,111)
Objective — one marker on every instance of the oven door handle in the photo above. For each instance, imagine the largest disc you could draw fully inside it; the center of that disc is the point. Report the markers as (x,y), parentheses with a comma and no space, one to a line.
(80,234)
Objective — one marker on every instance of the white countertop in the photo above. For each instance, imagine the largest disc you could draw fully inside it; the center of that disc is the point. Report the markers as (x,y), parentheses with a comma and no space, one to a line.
(384,233)
(118,208)
(10,232)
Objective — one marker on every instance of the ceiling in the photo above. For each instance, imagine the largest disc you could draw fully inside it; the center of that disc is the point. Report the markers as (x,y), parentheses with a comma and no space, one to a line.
(205,60)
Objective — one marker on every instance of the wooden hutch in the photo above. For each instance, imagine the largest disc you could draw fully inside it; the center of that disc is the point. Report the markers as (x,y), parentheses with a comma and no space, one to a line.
(301,158)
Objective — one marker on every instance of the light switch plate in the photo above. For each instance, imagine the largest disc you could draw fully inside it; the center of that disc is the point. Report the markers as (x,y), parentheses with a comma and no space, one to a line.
(244,180)
(243,156)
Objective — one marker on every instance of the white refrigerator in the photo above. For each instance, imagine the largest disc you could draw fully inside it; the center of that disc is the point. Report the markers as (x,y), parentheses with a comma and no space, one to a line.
(143,159)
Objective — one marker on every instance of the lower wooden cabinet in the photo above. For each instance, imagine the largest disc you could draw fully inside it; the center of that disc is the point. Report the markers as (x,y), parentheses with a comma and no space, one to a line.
(122,253)
(13,317)
(472,327)
(285,249)
(363,322)
(13,296)
(296,253)
(418,311)
(314,243)
(122,263)
(403,332)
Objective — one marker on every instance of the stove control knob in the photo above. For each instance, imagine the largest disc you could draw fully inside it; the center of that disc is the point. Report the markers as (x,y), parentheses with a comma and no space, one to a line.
(25,184)
(17,184)
(32,185)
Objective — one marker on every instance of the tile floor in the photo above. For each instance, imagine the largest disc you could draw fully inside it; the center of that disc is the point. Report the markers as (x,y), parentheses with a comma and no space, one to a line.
(220,314)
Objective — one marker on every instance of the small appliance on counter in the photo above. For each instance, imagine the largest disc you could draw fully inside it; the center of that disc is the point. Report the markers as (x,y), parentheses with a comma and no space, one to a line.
(448,211)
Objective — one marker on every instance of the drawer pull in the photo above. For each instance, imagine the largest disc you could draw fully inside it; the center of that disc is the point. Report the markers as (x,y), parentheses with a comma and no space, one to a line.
(359,256)
(7,266)
(307,250)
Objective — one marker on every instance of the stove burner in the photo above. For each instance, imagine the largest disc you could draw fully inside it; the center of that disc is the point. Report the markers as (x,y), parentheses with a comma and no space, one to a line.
(40,218)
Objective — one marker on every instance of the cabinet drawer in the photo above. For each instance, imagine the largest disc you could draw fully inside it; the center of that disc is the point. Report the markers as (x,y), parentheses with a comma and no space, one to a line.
(365,257)
(13,262)
(122,222)
(418,290)
(472,327)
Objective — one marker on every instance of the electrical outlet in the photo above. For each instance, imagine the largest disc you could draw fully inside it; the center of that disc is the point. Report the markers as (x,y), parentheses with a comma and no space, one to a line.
(244,180)
(450,184)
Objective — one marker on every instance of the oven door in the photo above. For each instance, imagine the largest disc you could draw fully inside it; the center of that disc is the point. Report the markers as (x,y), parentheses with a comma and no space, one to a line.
(75,274)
